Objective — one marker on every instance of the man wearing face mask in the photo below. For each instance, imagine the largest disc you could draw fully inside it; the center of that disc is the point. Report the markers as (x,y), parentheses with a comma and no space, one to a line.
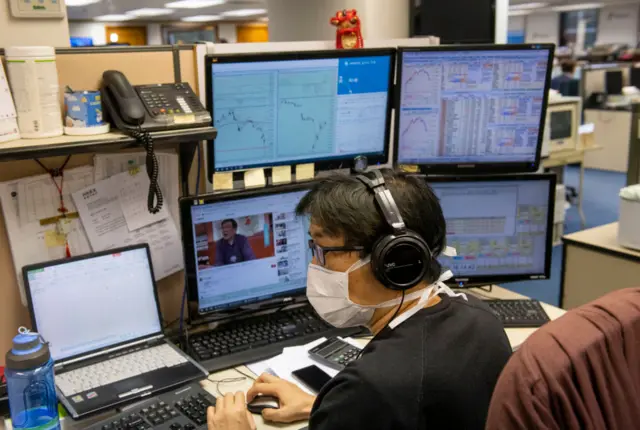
(436,355)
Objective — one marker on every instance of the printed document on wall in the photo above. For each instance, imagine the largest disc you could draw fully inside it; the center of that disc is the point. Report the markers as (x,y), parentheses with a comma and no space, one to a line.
(101,210)
(107,165)
(38,240)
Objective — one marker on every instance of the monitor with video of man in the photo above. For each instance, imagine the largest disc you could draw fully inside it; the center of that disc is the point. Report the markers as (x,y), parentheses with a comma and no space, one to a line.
(244,249)
(472,109)
(500,226)
(285,108)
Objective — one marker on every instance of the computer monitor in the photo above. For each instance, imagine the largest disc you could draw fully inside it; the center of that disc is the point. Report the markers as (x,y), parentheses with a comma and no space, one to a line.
(613,82)
(325,107)
(244,250)
(93,301)
(500,226)
(562,124)
(635,77)
(480,108)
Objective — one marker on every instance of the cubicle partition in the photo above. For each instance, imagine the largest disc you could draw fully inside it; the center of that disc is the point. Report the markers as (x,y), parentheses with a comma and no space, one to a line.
(81,69)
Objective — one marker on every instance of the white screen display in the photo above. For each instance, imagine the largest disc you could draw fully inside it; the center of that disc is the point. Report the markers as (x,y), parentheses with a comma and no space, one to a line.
(84,305)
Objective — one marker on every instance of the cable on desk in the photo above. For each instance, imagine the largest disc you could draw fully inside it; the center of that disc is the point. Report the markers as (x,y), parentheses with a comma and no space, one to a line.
(230,380)
(155,195)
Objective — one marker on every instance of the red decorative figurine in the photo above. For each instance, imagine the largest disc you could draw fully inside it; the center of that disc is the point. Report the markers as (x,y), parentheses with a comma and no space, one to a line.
(348,34)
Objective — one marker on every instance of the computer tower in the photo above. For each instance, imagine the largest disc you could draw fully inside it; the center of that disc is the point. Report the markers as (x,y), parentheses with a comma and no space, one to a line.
(454,21)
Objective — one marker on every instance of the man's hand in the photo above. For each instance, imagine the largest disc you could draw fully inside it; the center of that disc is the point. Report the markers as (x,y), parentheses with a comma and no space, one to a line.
(295,404)
(230,413)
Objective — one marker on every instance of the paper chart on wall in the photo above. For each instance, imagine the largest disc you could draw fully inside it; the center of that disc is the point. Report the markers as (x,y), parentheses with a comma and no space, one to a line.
(31,242)
(39,197)
(106,165)
(101,212)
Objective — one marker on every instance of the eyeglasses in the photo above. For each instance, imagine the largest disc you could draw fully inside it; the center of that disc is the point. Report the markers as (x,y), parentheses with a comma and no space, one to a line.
(320,251)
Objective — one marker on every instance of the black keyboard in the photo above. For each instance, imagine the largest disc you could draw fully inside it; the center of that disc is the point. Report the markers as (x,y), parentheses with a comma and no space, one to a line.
(519,313)
(184,408)
(260,337)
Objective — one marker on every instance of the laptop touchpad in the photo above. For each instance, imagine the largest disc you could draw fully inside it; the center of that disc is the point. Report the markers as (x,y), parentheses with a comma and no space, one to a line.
(131,386)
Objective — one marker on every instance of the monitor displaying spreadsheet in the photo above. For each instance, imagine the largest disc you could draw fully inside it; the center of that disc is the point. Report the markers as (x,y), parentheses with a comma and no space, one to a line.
(291,108)
(472,107)
(500,226)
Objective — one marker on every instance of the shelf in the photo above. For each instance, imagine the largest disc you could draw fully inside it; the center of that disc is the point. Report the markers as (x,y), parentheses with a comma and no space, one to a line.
(24,149)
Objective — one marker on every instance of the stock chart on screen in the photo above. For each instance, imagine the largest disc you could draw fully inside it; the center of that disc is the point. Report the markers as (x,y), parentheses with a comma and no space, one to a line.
(470,106)
(299,110)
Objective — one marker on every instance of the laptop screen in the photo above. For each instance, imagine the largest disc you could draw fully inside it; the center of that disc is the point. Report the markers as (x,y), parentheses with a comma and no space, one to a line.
(94,302)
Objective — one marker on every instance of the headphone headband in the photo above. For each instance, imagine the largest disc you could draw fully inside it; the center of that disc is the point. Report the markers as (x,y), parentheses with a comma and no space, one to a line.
(385,200)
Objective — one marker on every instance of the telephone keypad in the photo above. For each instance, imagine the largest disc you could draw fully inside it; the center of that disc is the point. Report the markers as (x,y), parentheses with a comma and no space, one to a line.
(169,99)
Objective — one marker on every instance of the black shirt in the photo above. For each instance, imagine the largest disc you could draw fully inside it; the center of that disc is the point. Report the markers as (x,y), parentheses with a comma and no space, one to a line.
(436,370)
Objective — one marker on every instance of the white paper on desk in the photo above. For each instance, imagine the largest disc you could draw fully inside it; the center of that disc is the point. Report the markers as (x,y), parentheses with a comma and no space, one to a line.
(586,128)
(103,219)
(107,165)
(38,196)
(134,191)
(291,359)
(27,240)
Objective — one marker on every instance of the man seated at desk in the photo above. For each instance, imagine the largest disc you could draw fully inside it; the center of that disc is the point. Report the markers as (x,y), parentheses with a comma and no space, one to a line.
(436,355)
(566,84)
(232,247)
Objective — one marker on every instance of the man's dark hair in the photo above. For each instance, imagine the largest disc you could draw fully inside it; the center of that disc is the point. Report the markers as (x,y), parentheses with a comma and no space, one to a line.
(568,66)
(342,205)
(232,221)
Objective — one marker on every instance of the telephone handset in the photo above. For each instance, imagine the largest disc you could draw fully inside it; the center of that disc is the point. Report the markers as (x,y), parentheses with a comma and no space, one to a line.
(153,107)
(138,110)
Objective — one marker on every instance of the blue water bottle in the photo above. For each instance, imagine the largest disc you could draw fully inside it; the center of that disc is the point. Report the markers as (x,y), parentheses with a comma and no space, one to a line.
(32,390)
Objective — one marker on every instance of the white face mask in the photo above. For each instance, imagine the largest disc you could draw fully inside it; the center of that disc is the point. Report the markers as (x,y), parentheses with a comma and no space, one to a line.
(328,293)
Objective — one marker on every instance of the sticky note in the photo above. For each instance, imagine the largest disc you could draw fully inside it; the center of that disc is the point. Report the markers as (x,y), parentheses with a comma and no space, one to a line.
(409,168)
(52,239)
(223,181)
(305,171)
(254,178)
(281,174)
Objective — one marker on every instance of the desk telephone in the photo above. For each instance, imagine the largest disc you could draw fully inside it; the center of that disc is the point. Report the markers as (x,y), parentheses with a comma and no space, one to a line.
(154,107)
(138,110)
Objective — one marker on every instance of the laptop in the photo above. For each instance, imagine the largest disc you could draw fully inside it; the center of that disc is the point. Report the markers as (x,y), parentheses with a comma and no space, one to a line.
(100,315)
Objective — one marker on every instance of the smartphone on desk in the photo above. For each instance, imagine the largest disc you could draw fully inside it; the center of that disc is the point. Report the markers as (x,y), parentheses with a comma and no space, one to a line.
(312,377)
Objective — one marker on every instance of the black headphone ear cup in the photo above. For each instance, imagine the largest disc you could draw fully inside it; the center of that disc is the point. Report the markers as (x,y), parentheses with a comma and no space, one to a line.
(400,262)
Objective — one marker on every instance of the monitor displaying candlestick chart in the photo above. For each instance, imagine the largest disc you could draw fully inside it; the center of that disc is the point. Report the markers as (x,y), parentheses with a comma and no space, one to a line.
(325,107)
(479,108)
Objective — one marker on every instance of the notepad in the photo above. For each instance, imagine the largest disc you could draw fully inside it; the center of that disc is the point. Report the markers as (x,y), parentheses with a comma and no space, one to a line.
(281,174)
(223,181)
(305,171)
(254,178)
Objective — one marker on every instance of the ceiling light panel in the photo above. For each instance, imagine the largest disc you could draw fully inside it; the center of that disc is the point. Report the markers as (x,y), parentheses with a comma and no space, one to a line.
(238,13)
(150,11)
(193,4)
(201,18)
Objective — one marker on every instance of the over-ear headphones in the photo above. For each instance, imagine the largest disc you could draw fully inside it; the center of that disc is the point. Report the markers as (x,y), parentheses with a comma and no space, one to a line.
(400,260)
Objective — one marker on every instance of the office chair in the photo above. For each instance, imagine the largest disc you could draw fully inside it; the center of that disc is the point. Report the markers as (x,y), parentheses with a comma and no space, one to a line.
(578,372)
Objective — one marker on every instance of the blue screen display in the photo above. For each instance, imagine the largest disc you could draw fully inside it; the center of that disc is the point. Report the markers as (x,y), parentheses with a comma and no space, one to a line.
(294,111)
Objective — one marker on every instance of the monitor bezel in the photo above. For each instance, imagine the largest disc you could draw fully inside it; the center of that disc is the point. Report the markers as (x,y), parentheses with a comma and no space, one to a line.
(320,164)
(26,269)
(462,281)
(190,263)
(474,168)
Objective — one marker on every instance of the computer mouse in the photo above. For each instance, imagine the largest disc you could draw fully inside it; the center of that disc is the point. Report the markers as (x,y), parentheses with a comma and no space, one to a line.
(263,402)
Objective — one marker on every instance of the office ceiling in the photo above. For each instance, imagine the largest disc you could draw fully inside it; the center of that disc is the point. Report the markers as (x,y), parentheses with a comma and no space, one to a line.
(111,7)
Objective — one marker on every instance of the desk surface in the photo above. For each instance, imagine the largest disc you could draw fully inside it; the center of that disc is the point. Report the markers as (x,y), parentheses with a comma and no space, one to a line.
(516,337)
(602,239)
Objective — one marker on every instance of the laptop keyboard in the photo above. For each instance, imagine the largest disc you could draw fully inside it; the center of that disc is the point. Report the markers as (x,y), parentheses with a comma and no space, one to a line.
(118,369)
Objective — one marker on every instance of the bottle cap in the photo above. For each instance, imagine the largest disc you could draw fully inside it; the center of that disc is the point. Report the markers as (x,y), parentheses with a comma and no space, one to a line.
(28,352)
